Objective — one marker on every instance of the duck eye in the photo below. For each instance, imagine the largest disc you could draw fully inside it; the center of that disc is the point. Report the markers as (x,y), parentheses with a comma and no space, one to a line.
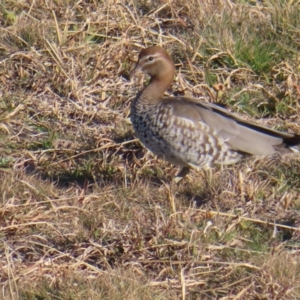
(150,58)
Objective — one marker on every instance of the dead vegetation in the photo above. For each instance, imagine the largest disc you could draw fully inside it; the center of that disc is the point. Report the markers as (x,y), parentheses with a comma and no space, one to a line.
(85,210)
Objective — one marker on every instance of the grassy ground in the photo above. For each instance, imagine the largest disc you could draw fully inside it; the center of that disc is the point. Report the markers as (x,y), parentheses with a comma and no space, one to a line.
(84,212)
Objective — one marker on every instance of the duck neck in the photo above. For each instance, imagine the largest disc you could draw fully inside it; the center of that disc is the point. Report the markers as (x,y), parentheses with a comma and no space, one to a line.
(154,91)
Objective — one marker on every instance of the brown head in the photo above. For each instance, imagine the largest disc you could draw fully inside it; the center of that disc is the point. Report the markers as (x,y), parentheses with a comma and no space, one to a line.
(155,62)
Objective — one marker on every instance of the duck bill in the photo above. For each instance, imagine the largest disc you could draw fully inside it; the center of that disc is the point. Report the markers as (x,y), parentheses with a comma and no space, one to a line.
(136,70)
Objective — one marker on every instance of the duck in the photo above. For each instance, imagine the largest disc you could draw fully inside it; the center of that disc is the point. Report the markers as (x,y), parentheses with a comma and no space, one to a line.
(192,133)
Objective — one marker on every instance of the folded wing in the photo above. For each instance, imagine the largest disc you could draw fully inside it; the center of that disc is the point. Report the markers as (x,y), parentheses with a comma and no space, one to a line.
(239,134)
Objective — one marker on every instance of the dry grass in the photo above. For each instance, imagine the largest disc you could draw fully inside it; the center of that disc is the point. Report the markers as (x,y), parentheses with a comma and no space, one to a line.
(84,212)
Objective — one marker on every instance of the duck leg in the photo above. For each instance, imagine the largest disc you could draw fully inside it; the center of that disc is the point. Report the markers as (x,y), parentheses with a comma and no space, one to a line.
(208,176)
(181,174)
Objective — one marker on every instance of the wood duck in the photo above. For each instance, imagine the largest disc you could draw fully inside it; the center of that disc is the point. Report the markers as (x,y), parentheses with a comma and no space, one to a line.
(192,133)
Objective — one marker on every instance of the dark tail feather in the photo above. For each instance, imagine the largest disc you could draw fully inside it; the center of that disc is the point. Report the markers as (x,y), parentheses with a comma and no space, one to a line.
(292,141)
